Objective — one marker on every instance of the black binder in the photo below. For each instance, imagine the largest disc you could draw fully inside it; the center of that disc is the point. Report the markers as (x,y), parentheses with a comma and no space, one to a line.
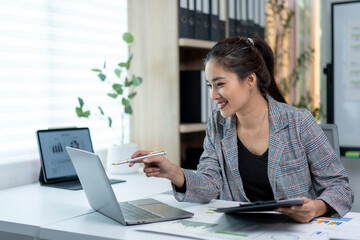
(193,101)
(231,14)
(199,28)
(214,20)
(206,19)
(186,19)
(222,18)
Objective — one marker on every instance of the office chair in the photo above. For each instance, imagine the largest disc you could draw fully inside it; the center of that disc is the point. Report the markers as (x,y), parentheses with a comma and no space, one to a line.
(331,132)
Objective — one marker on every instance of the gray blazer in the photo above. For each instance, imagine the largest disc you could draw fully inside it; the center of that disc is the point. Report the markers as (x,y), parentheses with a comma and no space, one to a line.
(301,162)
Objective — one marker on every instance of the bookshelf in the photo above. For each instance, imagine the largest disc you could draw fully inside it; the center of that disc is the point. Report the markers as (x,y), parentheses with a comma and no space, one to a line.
(159,56)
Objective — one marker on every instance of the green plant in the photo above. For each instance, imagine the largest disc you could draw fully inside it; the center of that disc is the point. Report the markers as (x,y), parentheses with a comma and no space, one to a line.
(122,89)
(280,18)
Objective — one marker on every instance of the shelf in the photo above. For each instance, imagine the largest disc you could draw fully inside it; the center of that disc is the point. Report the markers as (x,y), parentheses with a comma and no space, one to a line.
(192,127)
(194,43)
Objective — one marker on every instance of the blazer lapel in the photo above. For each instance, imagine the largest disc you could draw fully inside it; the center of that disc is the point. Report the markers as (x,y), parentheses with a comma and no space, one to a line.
(277,121)
(231,159)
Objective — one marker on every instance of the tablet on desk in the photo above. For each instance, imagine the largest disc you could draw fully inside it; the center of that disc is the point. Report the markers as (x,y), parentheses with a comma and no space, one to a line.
(262,206)
(57,169)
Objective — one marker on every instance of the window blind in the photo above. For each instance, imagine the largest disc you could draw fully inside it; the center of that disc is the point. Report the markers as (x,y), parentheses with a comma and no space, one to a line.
(47,51)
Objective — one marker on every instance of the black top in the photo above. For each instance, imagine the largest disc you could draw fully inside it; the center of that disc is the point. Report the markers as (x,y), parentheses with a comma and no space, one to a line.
(253,172)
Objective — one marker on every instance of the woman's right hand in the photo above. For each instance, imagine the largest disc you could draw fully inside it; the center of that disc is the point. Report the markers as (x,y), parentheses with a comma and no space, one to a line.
(159,166)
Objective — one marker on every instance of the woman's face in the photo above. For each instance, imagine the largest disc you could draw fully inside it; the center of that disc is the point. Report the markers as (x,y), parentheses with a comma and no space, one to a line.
(229,92)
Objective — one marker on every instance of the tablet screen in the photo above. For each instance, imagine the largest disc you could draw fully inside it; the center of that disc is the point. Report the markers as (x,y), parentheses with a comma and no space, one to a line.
(56,162)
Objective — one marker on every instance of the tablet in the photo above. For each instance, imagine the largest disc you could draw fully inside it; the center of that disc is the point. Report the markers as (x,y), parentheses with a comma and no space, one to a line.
(262,206)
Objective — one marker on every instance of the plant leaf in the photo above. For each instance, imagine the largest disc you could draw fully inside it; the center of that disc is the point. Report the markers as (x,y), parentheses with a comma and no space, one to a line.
(128,109)
(128,37)
(113,95)
(101,111)
(125,102)
(102,76)
(125,65)
(117,72)
(104,64)
(129,61)
(118,88)
(132,95)
(110,121)
(78,112)
(81,102)
(136,80)
(96,70)
(128,83)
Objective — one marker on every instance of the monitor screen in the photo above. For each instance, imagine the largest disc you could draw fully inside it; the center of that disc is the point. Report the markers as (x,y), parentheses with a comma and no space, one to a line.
(56,162)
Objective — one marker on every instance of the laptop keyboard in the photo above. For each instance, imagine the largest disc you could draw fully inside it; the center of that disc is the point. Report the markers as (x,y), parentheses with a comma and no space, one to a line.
(135,213)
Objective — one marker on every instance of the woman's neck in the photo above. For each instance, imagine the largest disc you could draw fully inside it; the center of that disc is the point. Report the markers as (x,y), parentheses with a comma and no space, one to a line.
(254,113)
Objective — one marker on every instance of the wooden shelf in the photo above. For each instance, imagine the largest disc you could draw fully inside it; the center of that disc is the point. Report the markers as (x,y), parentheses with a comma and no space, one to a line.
(192,127)
(194,43)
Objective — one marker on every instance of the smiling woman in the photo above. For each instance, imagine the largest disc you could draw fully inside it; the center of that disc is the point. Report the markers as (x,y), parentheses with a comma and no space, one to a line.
(47,51)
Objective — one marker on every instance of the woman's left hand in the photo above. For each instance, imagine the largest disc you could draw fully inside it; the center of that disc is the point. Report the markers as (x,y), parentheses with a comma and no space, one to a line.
(306,212)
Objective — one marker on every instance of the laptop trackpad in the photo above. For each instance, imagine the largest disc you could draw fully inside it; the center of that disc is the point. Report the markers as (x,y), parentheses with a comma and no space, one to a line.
(161,209)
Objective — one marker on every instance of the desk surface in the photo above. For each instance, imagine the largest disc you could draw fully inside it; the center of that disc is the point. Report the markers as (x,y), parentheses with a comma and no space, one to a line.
(25,209)
(258,226)
(50,213)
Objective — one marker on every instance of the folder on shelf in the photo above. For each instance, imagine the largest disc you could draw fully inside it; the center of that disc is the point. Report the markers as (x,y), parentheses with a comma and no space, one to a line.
(241,23)
(250,18)
(222,19)
(231,12)
(206,19)
(214,20)
(256,18)
(186,19)
(193,97)
(262,16)
(199,29)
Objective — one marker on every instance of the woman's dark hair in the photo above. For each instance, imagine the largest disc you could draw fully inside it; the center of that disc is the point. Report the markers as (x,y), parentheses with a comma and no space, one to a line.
(244,56)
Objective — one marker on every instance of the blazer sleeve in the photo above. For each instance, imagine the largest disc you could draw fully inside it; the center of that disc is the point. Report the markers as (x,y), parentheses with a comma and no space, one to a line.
(330,180)
(205,183)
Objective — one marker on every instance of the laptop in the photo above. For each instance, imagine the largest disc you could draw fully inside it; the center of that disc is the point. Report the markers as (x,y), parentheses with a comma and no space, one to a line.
(101,196)
(57,169)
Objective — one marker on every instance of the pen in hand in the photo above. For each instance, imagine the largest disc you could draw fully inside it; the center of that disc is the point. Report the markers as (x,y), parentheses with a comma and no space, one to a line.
(156,153)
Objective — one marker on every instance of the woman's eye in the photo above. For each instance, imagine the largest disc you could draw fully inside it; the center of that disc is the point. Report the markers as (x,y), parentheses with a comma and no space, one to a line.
(219,84)
(208,85)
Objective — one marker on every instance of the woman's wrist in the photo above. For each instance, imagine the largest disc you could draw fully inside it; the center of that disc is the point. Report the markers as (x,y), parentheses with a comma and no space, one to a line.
(320,207)
(177,177)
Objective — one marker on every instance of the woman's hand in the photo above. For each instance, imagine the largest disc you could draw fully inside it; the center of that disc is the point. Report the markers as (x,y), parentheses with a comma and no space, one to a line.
(159,166)
(306,212)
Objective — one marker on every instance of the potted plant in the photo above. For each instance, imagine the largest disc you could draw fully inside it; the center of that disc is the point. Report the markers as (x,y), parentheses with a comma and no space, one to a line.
(122,91)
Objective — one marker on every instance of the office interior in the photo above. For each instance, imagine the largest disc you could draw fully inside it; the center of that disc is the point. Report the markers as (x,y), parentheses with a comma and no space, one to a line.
(159,57)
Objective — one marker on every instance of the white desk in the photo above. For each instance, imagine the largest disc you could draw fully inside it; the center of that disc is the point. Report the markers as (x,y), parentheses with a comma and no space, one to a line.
(95,226)
(23,210)
(49,213)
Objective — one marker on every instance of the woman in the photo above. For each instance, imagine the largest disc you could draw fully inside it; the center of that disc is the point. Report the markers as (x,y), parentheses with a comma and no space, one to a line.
(256,146)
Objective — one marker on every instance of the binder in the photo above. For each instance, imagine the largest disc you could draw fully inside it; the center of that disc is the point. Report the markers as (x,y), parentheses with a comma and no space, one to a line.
(186,20)
(199,28)
(192,97)
(206,19)
(242,23)
(262,16)
(222,18)
(214,20)
(256,18)
(250,18)
(232,13)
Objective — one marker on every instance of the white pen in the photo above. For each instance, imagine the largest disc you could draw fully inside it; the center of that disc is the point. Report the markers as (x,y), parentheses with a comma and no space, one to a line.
(156,153)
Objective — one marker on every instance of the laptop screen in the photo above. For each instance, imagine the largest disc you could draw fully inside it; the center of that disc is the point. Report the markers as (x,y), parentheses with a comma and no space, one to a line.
(56,163)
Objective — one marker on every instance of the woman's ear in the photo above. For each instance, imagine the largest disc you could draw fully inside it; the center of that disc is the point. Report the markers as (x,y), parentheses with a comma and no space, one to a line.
(251,80)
